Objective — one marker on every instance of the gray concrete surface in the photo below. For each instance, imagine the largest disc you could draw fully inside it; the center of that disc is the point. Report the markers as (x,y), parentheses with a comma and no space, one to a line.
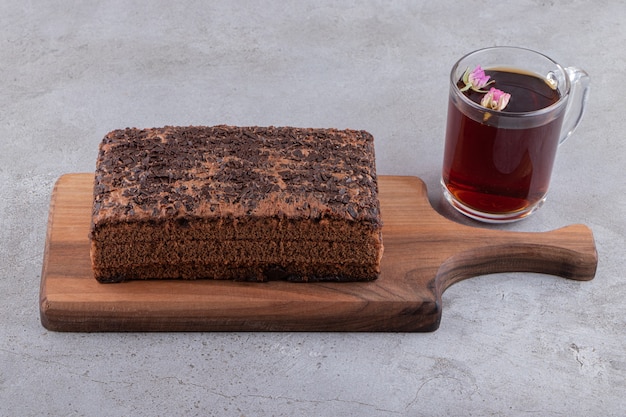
(508,345)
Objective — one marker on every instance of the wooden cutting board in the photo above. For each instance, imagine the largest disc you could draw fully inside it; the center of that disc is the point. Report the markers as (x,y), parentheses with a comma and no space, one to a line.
(424,254)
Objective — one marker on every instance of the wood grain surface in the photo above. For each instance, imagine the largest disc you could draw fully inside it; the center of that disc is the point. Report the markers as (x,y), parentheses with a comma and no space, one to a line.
(424,254)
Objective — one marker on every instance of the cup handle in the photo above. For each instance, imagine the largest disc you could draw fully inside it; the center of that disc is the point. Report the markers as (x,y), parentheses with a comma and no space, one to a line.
(579,91)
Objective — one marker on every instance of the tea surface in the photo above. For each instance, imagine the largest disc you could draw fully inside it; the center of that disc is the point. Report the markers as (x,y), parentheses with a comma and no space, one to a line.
(528,92)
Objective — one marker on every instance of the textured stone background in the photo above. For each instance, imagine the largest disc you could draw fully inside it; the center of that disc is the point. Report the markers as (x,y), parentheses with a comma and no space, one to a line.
(509,344)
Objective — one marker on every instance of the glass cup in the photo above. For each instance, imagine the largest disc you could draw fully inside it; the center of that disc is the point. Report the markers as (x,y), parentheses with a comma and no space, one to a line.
(498,162)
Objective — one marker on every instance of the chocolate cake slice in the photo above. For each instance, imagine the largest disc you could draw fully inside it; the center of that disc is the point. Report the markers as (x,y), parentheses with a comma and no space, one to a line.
(242,203)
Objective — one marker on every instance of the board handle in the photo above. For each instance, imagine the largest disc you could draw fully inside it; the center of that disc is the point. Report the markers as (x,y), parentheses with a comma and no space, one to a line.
(568,252)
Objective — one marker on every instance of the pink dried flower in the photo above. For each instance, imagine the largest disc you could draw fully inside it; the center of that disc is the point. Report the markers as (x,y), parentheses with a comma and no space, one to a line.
(475,80)
(495,99)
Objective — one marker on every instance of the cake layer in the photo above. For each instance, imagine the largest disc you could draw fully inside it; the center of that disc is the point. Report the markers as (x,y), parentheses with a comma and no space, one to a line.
(228,202)
(237,252)
(233,229)
(296,272)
